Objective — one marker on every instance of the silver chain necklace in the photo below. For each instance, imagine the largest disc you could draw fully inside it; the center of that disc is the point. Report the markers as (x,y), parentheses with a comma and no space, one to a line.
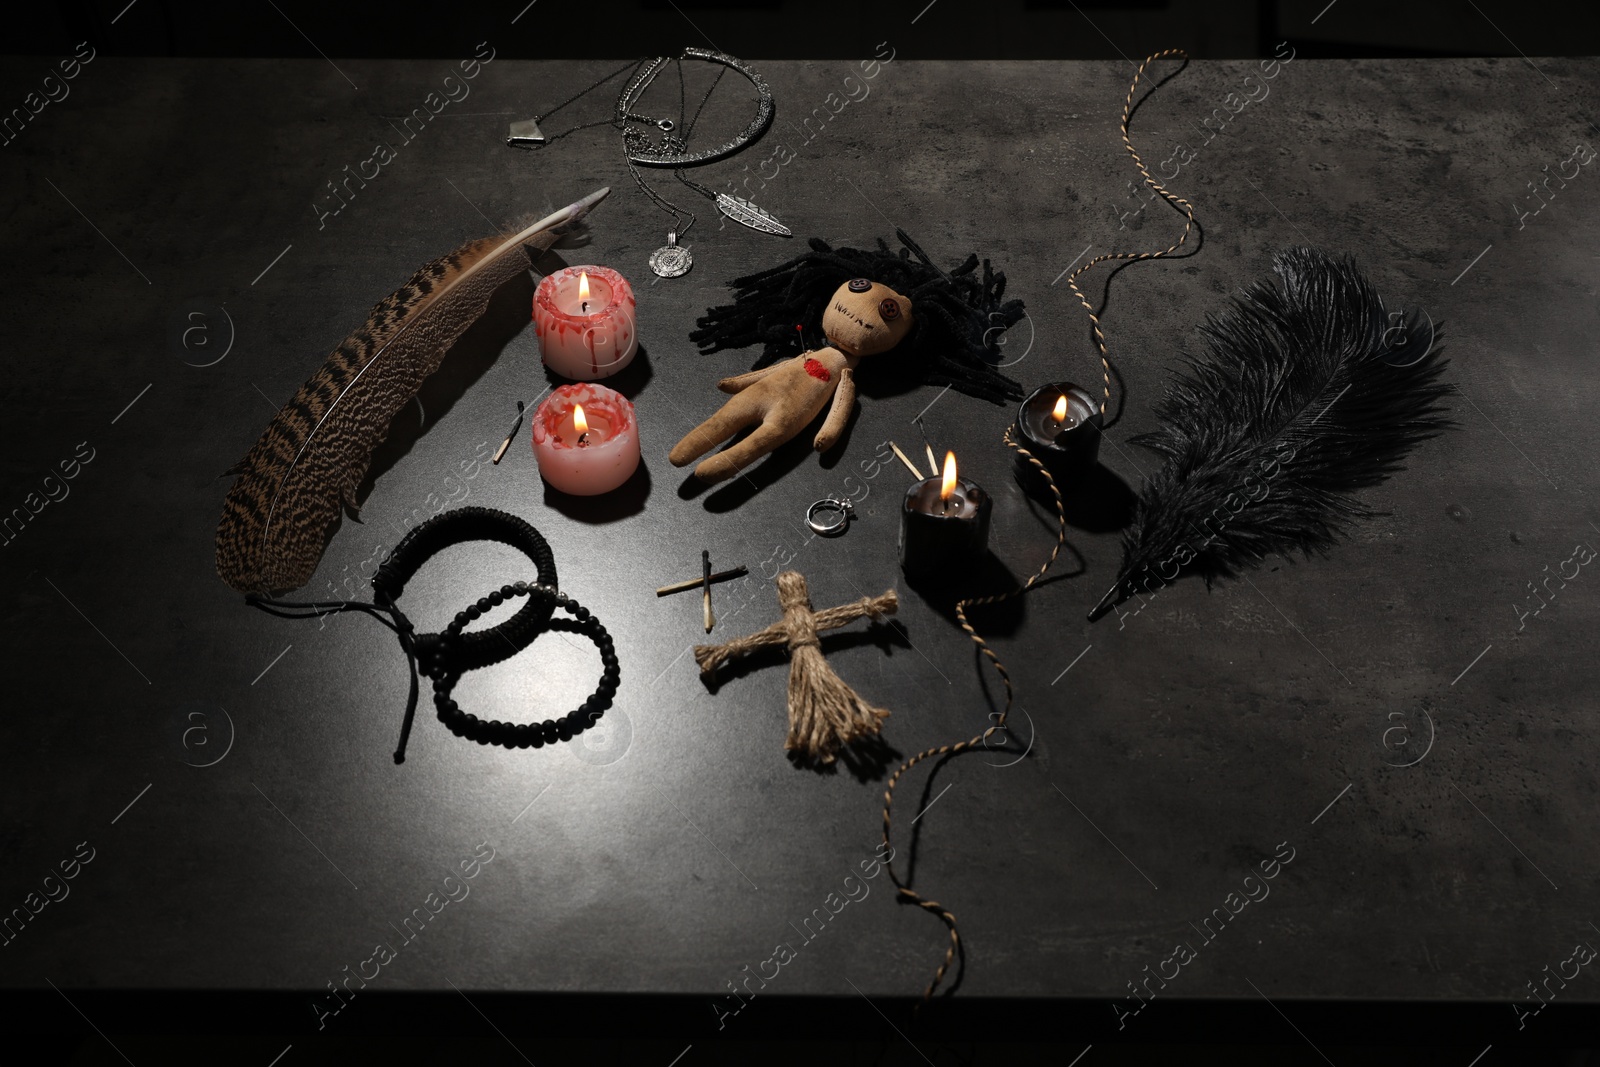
(671,260)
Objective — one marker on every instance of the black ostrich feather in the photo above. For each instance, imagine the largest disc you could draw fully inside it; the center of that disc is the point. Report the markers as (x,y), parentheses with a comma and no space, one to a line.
(958,316)
(1307,392)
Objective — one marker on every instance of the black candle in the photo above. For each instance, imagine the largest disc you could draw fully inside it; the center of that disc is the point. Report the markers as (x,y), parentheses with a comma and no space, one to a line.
(1060,424)
(944,526)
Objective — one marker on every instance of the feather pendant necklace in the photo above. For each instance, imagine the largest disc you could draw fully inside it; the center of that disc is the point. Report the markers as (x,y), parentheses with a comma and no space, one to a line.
(671,260)
(1307,392)
(310,459)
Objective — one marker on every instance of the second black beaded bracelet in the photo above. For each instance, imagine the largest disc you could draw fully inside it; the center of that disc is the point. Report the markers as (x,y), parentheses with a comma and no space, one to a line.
(438,666)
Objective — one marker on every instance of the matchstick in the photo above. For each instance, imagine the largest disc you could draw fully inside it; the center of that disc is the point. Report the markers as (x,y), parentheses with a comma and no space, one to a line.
(695,583)
(910,466)
(705,588)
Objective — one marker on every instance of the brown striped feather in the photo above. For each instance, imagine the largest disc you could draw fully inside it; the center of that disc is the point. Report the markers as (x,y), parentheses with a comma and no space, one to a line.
(306,465)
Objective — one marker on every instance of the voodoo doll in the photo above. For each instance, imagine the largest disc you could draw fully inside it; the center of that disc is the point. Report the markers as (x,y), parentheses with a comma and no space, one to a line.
(943,327)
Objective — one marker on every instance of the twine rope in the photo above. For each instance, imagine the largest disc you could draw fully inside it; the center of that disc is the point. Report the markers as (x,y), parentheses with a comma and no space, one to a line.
(825,714)
(905,892)
(1177,201)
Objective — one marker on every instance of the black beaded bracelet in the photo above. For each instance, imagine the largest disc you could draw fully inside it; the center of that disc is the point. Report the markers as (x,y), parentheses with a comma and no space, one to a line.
(440,666)
(446,655)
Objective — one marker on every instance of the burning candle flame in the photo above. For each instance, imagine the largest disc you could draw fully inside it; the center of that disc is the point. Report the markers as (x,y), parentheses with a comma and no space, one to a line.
(579,423)
(583,285)
(1060,412)
(949,485)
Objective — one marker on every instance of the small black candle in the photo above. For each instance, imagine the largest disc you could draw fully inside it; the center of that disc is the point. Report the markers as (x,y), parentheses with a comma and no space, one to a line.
(944,525)
(1060,424)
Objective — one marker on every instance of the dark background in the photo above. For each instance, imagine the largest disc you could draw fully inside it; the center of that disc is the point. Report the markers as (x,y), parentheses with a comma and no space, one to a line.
(786,29)
(1007,30)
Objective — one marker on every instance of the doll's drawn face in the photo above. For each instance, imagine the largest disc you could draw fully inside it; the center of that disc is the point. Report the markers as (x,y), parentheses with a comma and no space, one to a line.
(865,318)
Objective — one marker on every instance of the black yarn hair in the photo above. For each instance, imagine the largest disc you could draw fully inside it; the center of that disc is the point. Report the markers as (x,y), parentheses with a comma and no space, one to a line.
(957,316)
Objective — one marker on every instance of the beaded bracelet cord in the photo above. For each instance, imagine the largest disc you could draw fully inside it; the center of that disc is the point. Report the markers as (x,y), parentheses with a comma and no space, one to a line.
(521,735)
(445,656)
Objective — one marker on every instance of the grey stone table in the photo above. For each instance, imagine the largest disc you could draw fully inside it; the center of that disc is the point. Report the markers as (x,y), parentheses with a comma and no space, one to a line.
(1392,715)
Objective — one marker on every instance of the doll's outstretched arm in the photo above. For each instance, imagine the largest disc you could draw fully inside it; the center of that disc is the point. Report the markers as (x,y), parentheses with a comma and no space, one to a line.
(744,381)
(844,402)
(741,410)
(778,407)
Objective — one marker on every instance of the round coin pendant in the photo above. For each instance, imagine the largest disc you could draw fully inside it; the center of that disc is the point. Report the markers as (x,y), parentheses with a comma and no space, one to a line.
(671,260)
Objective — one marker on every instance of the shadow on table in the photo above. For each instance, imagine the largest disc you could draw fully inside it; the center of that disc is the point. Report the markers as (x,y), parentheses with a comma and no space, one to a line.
(1100,502)
(743,487)
(991,577)
(626,499)
(465,362)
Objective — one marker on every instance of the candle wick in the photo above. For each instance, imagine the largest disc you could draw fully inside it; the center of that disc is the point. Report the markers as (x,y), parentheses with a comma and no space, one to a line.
(586,307)
(583,440)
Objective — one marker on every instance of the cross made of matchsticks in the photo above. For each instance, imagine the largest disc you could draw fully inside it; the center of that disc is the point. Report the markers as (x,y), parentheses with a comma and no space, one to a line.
(704,584)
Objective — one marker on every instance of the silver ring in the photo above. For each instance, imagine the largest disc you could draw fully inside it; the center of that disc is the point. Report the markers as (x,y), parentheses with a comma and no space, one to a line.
(830,504)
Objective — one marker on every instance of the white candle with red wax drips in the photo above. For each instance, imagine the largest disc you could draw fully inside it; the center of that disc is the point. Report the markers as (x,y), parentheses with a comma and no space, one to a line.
(585,320)
(586,439)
